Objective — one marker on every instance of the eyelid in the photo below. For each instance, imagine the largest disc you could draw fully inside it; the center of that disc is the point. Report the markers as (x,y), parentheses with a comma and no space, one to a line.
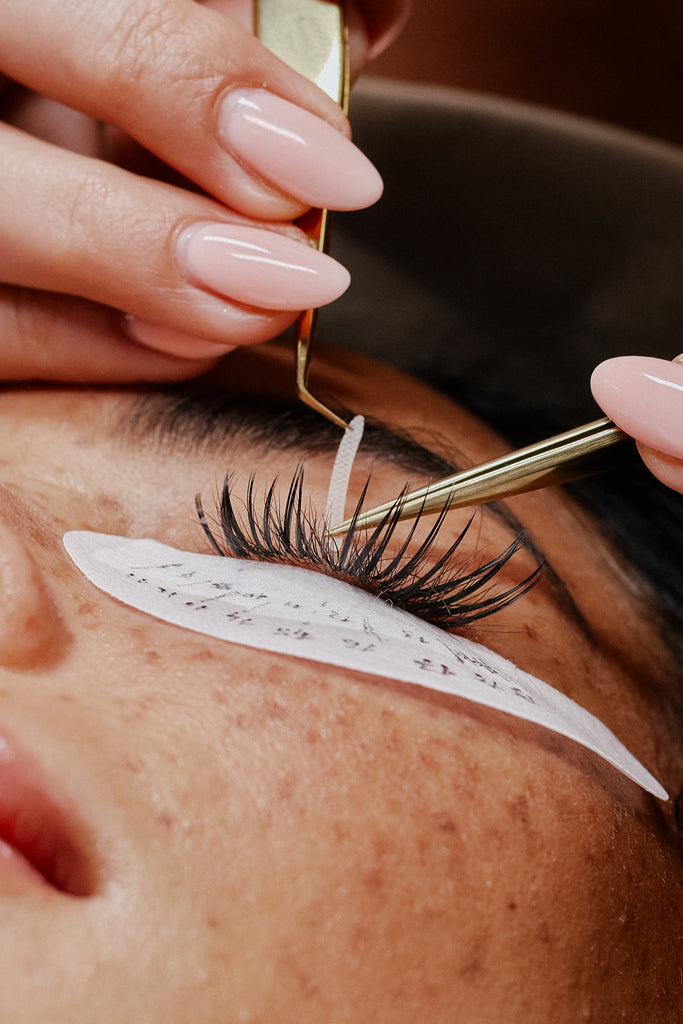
(441,592)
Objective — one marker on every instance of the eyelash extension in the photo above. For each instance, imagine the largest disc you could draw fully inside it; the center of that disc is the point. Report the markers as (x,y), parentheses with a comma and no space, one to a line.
(445,595)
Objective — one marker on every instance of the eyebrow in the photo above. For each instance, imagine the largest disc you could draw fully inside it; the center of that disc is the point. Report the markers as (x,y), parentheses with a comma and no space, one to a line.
(193,421)
(189,420)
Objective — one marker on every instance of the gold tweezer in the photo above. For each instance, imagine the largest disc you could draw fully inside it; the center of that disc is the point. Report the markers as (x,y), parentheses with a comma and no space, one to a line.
(311,37)
(584,451)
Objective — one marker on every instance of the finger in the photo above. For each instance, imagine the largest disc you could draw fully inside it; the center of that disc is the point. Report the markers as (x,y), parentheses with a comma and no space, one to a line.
(372,24)
(82,227)
(197,90)
(381,21)
(664,467)
(241,11)
(54,337)
(644,396)
(53,122)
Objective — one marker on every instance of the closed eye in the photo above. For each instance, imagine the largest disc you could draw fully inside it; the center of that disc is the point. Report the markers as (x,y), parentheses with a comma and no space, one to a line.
(447,591)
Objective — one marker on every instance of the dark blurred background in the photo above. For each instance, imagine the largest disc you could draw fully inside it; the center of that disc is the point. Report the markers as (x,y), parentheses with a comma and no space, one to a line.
(614,60)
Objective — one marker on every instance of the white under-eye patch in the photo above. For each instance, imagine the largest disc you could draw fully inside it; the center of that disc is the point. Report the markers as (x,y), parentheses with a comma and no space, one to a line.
(308,615)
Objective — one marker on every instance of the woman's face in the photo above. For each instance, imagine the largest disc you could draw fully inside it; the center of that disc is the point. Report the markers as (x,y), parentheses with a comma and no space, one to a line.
(223,834)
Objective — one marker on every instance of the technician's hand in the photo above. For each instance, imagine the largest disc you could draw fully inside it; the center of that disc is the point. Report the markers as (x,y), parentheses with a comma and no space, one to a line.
(152,157)
(644,396)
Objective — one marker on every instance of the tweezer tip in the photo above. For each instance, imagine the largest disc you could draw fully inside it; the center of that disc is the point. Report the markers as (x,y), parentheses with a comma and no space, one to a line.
(336,531)
(365,521)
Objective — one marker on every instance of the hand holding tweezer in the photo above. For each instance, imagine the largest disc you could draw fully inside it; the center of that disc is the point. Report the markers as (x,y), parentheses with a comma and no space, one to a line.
(583,451)
(310,36)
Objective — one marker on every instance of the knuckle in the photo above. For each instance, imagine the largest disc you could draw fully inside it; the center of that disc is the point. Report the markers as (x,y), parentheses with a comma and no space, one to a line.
(113,237)
(137,43)
(82,214)
(159,47)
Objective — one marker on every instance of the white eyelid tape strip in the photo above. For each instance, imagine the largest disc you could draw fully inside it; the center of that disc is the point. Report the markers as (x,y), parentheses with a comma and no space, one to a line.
(308,615)
(341,471)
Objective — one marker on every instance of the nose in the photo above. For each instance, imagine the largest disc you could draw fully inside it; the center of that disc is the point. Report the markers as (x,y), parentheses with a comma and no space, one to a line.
(32,634)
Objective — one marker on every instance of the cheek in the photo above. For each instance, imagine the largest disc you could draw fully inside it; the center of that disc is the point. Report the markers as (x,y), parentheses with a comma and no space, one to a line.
(339,848)
(359,849)
(402,858)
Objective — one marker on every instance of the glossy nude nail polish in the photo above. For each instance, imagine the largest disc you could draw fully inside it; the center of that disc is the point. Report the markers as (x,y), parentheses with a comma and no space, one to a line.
(644,396)
(298,152)
(259,268)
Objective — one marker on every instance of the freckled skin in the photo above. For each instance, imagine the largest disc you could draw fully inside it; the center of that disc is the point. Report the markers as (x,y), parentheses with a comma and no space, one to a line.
(277,840)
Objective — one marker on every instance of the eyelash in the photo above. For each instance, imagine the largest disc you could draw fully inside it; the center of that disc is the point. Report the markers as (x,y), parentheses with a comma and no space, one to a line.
(441,594)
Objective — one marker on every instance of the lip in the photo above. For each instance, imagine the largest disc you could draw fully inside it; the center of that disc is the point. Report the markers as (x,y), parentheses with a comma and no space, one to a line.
(41,835)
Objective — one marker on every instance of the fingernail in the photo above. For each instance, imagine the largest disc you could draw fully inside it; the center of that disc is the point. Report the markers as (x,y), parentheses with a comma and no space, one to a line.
(259,268)
(175,343)
(290,147)
(644,396)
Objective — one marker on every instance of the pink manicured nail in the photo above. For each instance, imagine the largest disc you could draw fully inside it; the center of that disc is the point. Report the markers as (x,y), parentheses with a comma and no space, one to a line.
(175,343)
(259,268)
(644,396)
(297,151)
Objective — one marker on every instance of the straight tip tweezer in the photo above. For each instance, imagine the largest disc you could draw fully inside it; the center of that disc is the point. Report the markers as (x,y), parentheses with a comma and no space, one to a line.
(584,451)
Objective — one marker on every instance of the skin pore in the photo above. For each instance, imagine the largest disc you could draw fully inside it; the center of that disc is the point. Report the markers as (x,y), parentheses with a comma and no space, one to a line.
(242,836)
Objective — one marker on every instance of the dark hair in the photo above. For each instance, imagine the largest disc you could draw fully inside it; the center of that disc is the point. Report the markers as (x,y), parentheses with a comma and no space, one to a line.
(640,517)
